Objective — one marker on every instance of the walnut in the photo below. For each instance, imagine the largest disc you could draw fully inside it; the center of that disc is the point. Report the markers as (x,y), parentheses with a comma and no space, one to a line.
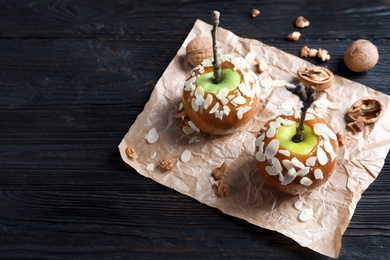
(361,55)
(366,110)
(301,22)
(166,164)
(305,51)
(323,54)
(199,49)
(342,139)
(319,77)
(356,127)
(219,171)
(255,12)
(294,36)
(222,189)
(131,153)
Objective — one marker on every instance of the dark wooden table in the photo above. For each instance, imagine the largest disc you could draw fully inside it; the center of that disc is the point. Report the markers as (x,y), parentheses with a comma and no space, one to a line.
(74,75)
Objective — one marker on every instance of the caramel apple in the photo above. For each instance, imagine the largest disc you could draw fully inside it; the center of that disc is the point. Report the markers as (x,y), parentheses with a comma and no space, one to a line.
(296,154)
(222,95)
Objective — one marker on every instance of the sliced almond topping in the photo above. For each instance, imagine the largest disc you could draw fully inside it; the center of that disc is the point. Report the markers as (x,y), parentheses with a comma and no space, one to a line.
(303,171)
(272,149)
(287,164)
(311,161)
(274,124)
(240,100)
(194,106)
(318,174)
(214,108)
(277,165)
(328,146)
(245,89)
(259,139)
(289,177)
(271,132)
(288,104)
(306,215)
(260,156)
(309,117)
(222,93)
(306,181)
(186,156)
(199,92)
(321,156)
(199,101)
(271,170)
(285,152)
(152,136)
(319,129)
(297,163)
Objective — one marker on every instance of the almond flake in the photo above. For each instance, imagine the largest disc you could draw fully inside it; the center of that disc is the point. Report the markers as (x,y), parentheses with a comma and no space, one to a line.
(305,215)
(260,156)
(309,117)
(187,130)
(303,171)
(240,100)
(285,152)
(152,136)
(245,89)
(271,132)
(214,108)
(199,92)
(289,177)
(222,93)
(288,104)
(274,124)
(334,105)
(319,129)
(306,181)
(259,139)
(194,106)
(321,156)
(287,164)
(277,165)
(199,101)
(193,126)
(297,163)
(298,205)
(271,170)
(208,101)
(186,156)
(318,174)
(311,161)
(150,167)
(272,149)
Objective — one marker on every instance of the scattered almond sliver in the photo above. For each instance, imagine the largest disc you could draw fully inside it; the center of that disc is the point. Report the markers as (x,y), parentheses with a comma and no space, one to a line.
(186,156)
(150,167)
(306,214)
(152,136)
(334,105)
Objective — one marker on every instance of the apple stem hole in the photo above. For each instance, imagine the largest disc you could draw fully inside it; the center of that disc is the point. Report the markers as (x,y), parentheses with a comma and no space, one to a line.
(216,64)
(307,96)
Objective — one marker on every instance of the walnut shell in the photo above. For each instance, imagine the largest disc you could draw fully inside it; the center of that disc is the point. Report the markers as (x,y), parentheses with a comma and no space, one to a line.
(319,77)
(366,110)
(361,56)
(199,49)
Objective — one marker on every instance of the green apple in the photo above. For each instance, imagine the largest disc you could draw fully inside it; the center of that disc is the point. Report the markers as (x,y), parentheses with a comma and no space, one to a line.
(230,80)
(285,136)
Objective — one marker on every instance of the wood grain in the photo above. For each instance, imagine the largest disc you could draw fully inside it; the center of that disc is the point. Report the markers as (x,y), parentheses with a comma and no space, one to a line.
(74,75)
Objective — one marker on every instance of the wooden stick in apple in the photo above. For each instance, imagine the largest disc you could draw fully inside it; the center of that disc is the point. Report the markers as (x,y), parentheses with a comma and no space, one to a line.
(217,66)
(307,96)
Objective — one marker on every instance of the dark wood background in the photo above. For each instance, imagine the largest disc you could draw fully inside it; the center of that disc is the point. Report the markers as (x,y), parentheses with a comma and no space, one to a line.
(74,75)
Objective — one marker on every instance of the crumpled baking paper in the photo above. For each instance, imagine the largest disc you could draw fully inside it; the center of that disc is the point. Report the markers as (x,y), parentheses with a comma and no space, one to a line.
(359,161)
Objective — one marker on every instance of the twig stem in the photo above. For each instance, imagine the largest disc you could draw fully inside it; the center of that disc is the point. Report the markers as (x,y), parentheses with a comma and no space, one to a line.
(217,66)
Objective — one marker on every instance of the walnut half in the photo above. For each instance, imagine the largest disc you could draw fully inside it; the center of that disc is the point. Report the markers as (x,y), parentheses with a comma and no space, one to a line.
(366,110)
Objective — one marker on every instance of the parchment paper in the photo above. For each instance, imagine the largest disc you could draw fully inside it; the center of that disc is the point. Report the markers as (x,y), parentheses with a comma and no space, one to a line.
(359,162)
